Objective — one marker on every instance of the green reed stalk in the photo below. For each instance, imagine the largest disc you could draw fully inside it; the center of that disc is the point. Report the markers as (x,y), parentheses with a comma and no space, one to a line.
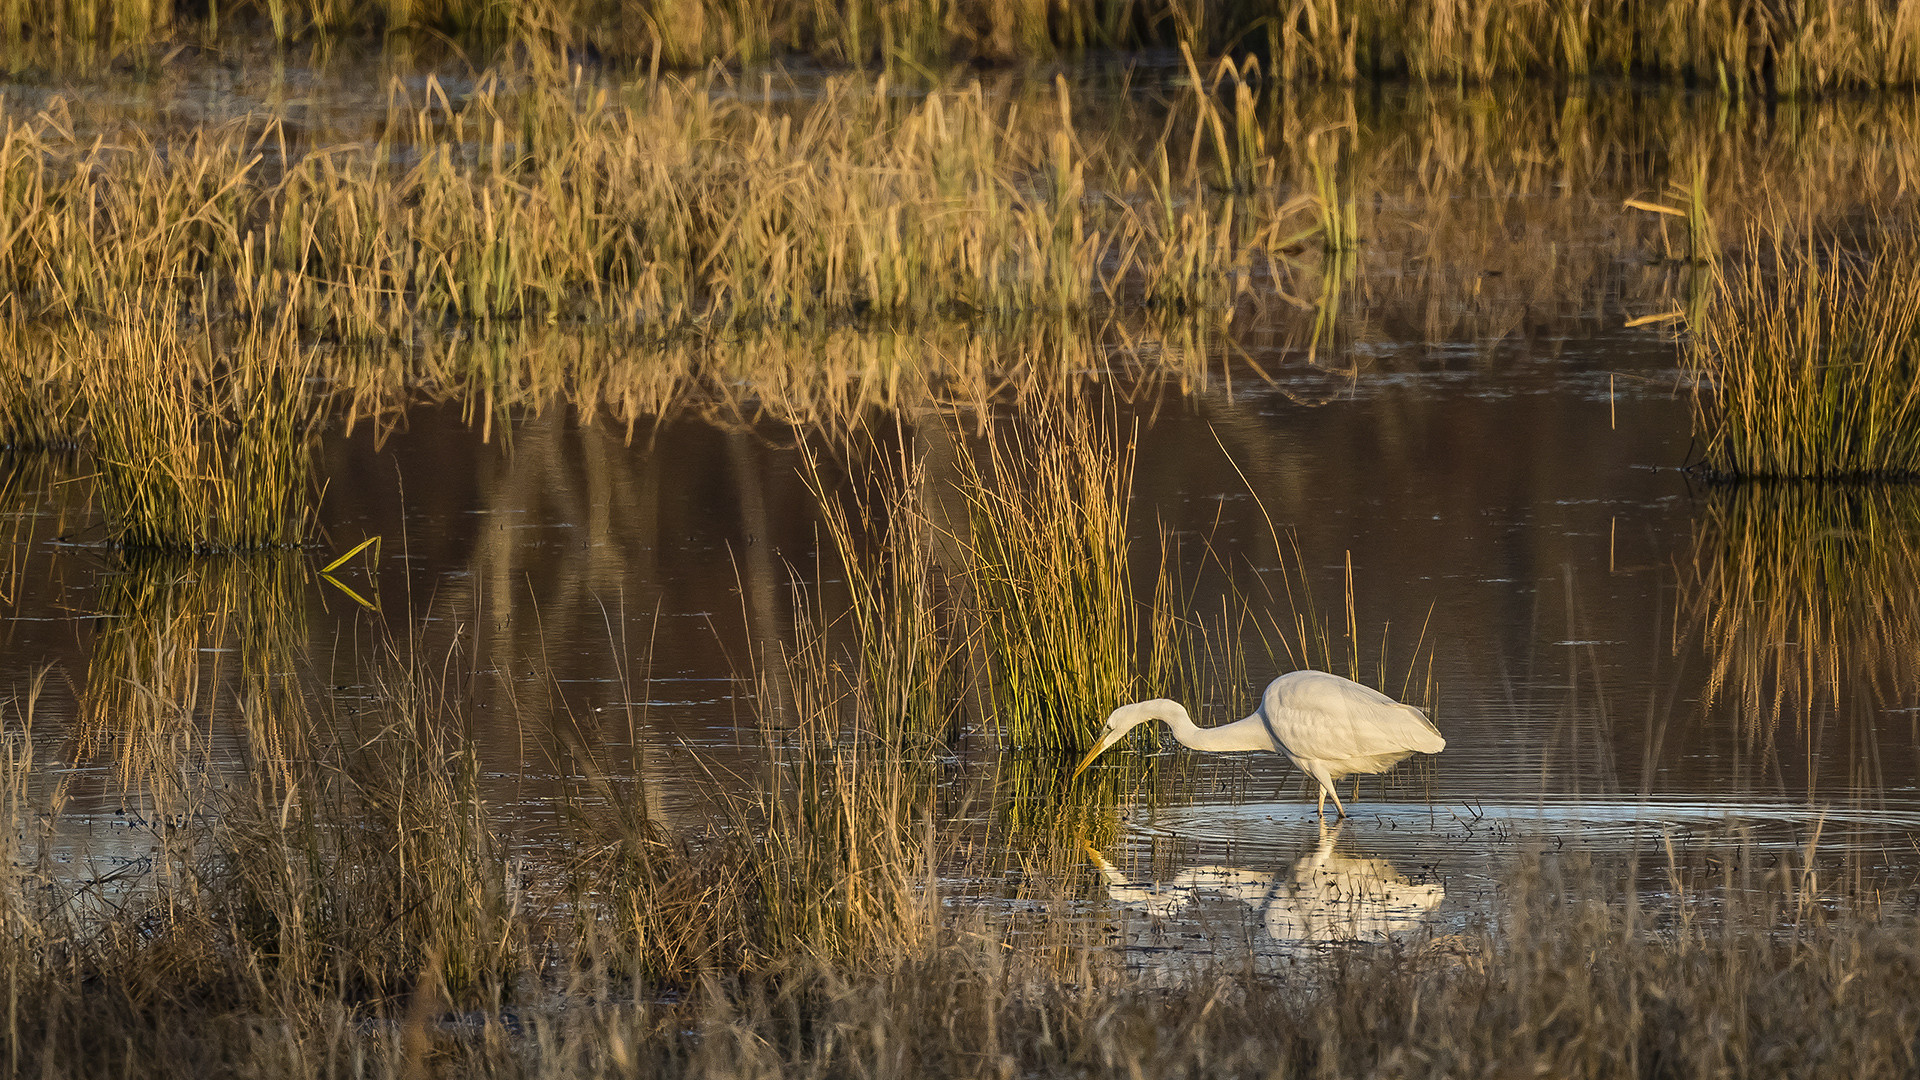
(1337,209)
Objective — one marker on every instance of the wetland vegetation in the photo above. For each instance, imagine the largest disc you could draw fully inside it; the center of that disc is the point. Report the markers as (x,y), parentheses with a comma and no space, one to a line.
(779,471)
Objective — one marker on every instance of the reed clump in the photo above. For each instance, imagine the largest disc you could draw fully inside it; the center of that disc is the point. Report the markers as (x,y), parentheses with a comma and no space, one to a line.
(1809,363)
(907,653)
(1049,496)
(370,866)
(198,448)
(838,851)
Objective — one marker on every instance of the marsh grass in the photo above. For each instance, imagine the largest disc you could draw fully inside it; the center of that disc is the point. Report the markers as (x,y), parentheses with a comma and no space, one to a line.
(841,853)
(691,243)
(355,909)
(648,206)
(1809,363)
(39,406)
(334,925)
(1334,203)
(371,866)
(826,856)
(1733,48)
(198,448)
(1049,495)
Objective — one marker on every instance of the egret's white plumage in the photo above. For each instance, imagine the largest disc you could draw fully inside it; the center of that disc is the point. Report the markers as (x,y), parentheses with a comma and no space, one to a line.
(1328,726)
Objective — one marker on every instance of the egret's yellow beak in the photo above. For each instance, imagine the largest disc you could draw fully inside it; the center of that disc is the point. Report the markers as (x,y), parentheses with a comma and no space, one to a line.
(1106,740)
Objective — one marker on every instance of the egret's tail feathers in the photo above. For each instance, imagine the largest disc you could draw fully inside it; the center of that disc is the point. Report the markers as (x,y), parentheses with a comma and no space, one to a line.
(1425,738)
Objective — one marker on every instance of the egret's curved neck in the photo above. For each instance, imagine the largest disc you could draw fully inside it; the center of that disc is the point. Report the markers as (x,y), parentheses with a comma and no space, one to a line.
(1185,731)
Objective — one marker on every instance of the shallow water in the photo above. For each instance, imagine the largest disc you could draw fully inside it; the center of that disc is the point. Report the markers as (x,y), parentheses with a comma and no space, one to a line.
(1508,498)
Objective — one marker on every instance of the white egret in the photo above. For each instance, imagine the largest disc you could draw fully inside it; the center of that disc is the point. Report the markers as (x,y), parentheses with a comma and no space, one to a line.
(1329,727)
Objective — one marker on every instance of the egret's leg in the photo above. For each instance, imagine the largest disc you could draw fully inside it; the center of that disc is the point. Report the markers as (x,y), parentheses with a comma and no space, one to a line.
(1321,809)
(1356,788)
(1336,799)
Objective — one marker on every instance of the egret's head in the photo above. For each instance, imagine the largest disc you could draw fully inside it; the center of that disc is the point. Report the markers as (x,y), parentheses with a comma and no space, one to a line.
(1122,720)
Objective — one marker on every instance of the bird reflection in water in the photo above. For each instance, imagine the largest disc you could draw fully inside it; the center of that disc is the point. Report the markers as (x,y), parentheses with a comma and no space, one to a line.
(1327,898)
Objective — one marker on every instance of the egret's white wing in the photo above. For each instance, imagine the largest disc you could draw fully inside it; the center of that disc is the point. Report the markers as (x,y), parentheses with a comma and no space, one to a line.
(1328,718)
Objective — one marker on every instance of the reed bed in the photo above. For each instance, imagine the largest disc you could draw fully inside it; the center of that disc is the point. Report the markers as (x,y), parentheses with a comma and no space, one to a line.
(1810,364)
(648,207)
(638,249)
(369,866)
(838,847)
(909,648)
(1736,48)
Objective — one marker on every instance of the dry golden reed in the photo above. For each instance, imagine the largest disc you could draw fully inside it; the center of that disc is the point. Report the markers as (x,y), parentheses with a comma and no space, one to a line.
(527,245)
(908,649)
(1050,494)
